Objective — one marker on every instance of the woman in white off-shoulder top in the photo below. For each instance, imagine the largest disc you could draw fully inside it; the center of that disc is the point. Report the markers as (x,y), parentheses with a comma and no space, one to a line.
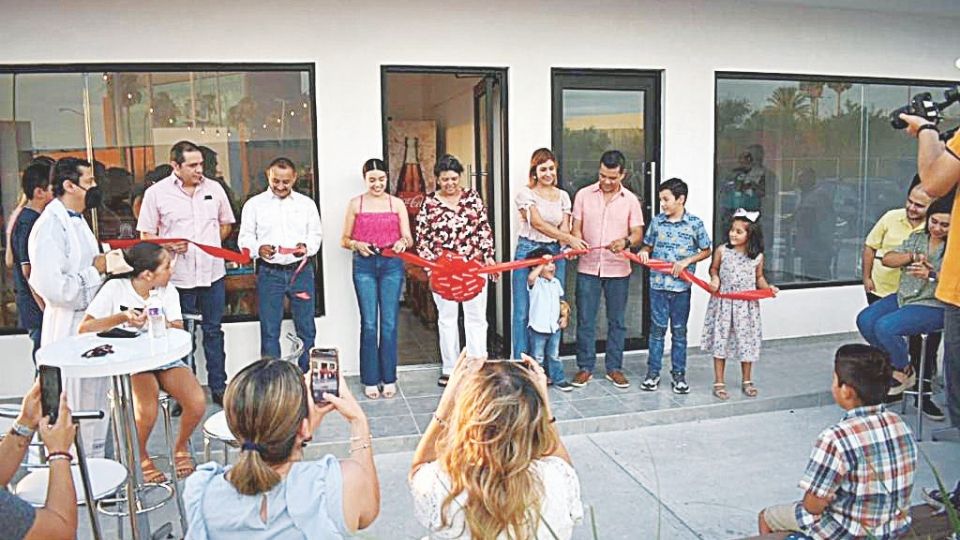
(493,435)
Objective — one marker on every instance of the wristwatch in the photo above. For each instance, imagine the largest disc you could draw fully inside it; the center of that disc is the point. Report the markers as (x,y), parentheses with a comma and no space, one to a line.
(19,429)
(628,243)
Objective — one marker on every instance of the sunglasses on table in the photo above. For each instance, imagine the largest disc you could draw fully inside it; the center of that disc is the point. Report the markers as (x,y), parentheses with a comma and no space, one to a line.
(98,351)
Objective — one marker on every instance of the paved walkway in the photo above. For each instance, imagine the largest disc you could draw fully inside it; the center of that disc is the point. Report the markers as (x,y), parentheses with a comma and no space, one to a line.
(652,465)
(705,479)
(701,479)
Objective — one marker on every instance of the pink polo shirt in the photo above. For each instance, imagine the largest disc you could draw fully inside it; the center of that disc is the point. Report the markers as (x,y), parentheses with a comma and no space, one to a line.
(170,212)
(602,223)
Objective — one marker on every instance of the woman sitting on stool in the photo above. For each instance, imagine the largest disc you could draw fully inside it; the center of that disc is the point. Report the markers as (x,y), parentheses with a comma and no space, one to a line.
(914,309)
(122,301)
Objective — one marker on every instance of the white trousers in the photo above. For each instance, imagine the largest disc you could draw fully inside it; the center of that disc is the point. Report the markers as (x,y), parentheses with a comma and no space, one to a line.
(90,394)
(475,326)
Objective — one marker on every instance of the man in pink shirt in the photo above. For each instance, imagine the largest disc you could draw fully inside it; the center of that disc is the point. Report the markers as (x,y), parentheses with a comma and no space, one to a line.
(188,205)
(607,215)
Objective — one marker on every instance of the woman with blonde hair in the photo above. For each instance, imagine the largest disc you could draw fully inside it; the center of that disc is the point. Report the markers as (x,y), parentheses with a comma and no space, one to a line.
(491,464)
(271,492)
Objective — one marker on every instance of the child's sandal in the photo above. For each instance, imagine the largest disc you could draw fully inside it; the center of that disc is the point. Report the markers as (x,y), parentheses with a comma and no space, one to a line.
(720,391)
(749,389)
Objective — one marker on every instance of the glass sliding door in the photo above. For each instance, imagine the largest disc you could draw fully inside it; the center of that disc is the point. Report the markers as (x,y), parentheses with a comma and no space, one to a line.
(595,111)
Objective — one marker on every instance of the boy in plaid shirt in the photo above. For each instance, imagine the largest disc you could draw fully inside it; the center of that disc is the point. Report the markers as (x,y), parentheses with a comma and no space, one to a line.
(860,474)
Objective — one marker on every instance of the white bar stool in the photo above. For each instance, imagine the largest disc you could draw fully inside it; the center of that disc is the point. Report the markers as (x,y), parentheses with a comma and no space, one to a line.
(215,427)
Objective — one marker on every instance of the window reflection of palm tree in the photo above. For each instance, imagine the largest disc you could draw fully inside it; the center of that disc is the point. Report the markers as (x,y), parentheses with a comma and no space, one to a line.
(839,88)
(814,91)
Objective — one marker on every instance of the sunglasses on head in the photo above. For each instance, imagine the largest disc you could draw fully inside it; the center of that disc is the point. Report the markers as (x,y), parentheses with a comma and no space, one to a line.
(98,351)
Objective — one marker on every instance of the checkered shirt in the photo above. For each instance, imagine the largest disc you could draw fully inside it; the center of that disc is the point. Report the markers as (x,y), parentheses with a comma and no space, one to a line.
(865,463)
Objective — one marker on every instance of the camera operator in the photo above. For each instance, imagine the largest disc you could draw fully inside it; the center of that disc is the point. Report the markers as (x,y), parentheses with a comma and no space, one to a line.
(939,167)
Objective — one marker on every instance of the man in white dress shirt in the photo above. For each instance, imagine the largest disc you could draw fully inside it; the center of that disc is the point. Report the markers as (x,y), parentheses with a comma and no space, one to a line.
(66,272)
(281,229)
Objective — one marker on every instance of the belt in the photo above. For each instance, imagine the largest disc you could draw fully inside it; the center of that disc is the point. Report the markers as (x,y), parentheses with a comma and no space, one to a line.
(288,267)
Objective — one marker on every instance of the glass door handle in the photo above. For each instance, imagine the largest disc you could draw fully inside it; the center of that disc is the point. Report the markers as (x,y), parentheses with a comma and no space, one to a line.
(650,169)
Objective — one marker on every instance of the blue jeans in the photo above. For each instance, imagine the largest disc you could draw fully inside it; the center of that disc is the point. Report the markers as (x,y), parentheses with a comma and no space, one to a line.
(273,285)
(378,281)
(545,348)
(521,295)
(885,325)
(209,302)
(673,309)
(951,361)
(615,292)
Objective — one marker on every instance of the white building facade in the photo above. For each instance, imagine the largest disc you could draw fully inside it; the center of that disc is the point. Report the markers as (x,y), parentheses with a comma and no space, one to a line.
(698,54)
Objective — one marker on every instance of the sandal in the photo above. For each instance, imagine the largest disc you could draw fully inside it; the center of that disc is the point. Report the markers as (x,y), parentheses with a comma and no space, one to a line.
(372,392)
(720,391)
(151,474)
(184,465)
(749,389)
(389,390)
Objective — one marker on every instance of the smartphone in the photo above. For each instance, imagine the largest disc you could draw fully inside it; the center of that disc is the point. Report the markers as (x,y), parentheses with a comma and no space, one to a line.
(324,373)
(50,389)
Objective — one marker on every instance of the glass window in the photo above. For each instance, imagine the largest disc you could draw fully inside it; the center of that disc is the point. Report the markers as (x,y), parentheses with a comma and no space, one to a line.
(818,158)
(127,120)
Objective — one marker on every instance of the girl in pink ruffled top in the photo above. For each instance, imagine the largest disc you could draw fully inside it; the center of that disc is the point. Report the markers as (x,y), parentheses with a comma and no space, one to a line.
(375,221)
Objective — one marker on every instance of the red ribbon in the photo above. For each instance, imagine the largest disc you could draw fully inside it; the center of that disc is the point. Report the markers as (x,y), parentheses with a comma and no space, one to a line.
(459,280)
(686,275)
(242,257)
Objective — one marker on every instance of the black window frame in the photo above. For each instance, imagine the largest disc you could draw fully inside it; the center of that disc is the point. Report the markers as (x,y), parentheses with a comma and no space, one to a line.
(796,78)
(139,67)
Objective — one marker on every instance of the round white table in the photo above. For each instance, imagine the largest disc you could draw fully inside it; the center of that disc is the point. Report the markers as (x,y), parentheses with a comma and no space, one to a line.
(129,356)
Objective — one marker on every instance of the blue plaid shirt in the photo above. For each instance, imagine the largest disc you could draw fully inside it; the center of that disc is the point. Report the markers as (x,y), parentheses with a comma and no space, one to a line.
(866,462)
(672,241)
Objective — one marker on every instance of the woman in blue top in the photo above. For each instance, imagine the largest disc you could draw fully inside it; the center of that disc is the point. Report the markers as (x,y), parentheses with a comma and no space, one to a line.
(271,492)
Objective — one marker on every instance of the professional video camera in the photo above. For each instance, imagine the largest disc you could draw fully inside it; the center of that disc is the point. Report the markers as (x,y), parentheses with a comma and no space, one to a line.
(924,106)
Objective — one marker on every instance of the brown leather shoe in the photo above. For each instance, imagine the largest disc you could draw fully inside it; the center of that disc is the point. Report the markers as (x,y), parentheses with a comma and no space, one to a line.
(618,379)
(581,378)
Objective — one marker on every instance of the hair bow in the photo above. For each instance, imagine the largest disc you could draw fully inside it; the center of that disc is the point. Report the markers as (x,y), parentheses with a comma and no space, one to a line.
(747,215)
(116,264)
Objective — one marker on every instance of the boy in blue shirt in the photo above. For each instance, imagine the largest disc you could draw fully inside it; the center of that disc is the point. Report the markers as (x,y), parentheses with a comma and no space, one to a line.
(544,317)
(679,237)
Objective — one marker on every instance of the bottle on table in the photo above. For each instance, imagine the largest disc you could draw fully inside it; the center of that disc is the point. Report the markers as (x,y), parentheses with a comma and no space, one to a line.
(156,322)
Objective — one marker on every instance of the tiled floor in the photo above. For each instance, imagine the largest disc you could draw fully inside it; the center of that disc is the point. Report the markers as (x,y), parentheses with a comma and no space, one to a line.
(791,374)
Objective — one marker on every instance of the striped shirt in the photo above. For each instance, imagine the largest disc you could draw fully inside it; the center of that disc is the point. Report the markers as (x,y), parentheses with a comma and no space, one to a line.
(865,463)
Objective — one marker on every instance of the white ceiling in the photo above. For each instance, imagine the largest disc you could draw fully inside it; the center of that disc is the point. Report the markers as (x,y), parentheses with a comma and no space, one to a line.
(949,8)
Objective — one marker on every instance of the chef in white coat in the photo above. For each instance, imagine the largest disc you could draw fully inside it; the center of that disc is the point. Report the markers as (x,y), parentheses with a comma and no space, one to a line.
(67,271)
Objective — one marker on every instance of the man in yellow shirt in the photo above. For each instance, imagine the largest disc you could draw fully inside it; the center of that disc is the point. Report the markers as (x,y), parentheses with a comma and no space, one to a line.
(939,166)
(889,232)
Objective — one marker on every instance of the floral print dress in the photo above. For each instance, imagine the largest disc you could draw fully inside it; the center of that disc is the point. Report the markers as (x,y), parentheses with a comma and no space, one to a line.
(731,328)
(464,231)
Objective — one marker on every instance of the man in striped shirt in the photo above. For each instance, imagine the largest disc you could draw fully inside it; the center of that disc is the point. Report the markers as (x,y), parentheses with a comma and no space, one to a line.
(858,481)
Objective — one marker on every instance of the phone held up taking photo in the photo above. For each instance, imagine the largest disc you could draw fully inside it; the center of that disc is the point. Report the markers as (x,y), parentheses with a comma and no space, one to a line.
(51,387)
(324,373)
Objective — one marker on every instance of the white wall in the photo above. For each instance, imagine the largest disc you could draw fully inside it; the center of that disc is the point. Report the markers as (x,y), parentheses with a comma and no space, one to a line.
(688,39)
